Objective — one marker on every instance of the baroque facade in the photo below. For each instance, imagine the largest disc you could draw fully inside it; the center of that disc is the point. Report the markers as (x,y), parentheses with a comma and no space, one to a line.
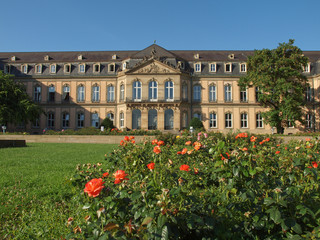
(149,89)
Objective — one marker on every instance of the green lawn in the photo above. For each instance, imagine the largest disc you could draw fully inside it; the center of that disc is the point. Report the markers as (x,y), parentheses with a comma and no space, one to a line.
(35,197)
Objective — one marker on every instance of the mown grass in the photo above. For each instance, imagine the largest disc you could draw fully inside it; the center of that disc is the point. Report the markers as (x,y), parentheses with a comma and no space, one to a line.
(35,198)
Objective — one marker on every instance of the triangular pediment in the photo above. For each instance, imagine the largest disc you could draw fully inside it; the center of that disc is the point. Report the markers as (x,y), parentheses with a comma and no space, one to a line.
(153,66)
(153,50)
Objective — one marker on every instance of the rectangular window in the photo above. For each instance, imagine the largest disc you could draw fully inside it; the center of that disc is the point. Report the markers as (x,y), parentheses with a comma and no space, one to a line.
(80,97)
(259,120)
(212,93)
(197,67)
(306,68)
(243,95)
(213,120)
(227,93)
(185,92)
(244,120)
(24,68)
(212,67)
(309,94)
(80,120)
(51,95)
(95,94)
(228,120)
(121,120)
(110,97)
(65,120)
(95,120)
(228,67)
(309,121)
(50,119)
(36,123)
(38,68)
(82,68)
(52,68)
(121,92)
(111,67)
(243,67)
(197,93)
(67,68)
(96,68)
(37,93)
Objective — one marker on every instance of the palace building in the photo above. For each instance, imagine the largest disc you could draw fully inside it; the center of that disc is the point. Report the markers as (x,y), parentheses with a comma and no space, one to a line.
(149,89)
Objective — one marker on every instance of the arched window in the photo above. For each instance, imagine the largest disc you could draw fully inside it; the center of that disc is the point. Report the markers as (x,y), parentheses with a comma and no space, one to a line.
(52,93)
(65,120)
(110,93)
(95,93)
(213,120)
(37,93)
(66,93)
(95,120)
(136,91)
(212,93)
(198,115)
(169,91)
(152,119)
(168,119)
(153,91)
(50,120)
(196,93)
(227,93)
(244,120)
(80,93)
(136,119)
(228,120)
(80,120)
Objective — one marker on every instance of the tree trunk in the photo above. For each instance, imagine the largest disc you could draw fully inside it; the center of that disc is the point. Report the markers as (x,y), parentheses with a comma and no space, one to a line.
(280,129)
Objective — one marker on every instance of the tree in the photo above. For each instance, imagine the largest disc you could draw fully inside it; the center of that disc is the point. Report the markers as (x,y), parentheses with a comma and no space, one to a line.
(15,104)
(278,74)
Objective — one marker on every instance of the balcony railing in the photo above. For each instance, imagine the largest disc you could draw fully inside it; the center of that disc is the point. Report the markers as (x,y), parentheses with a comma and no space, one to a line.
(147,100)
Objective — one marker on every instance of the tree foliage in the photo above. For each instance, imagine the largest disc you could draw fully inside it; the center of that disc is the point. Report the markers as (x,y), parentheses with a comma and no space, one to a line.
(278,73)
(196,123)
(107,123)
(15,104)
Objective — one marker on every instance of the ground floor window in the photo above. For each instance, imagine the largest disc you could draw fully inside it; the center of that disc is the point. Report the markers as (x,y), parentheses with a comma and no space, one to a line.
(228,120)
(80,120)
(152,119)
(121,117)
(259,120)
(65,120)
(50,120)
(244,120)
(168,119)
(95,120)
(136,119)
(213,120)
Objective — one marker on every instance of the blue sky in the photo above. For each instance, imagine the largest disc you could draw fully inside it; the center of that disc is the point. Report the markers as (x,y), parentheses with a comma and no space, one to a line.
(78,25)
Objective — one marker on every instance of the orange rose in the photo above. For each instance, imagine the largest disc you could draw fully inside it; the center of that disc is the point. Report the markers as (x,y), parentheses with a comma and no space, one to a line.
(126,138)
(119,176)
(253,138)
(157,149)
(106,174)
(277,152)
(188,143)
(94,187)
(242,135)
(315,164)
(160,143)
(131,137)
(185,168)
(154,142)
(184,151)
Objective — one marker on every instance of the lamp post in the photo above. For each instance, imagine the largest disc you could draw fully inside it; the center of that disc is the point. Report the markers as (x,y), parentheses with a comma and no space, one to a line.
(4,129)
(191,130)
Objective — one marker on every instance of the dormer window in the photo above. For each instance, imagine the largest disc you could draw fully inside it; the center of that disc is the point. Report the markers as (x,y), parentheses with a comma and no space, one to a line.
(46,58)
(96,68)
(114,56)
(243,67)
(196,56)
(111,67)
(213,67)
(181,64)
(82,68)
(24,68)
(53,68)
(306,68)
(80,57)
(228,67)
(38,68)
(13,58)
(67,68)
(197,67)
(124,66)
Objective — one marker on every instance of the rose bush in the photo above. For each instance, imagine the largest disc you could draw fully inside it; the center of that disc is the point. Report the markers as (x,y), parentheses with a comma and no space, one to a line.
(204,186)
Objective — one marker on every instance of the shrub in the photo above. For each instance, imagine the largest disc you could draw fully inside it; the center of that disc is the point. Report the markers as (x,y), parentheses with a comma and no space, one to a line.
(196,123)
(203,187)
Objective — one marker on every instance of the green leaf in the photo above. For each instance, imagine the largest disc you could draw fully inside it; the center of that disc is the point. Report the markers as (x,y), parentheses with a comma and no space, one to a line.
(165,233)
(86,206)
(275,215)
(297,228)
(235,171)
(268,201)
(162,219)
(146,221)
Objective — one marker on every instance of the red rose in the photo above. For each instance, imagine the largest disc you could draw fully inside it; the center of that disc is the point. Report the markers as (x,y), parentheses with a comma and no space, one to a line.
(126,138)
(277,152)
(185,168)
(106,174)
(315,164)
(150,166)
(94,187)
(160,143)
